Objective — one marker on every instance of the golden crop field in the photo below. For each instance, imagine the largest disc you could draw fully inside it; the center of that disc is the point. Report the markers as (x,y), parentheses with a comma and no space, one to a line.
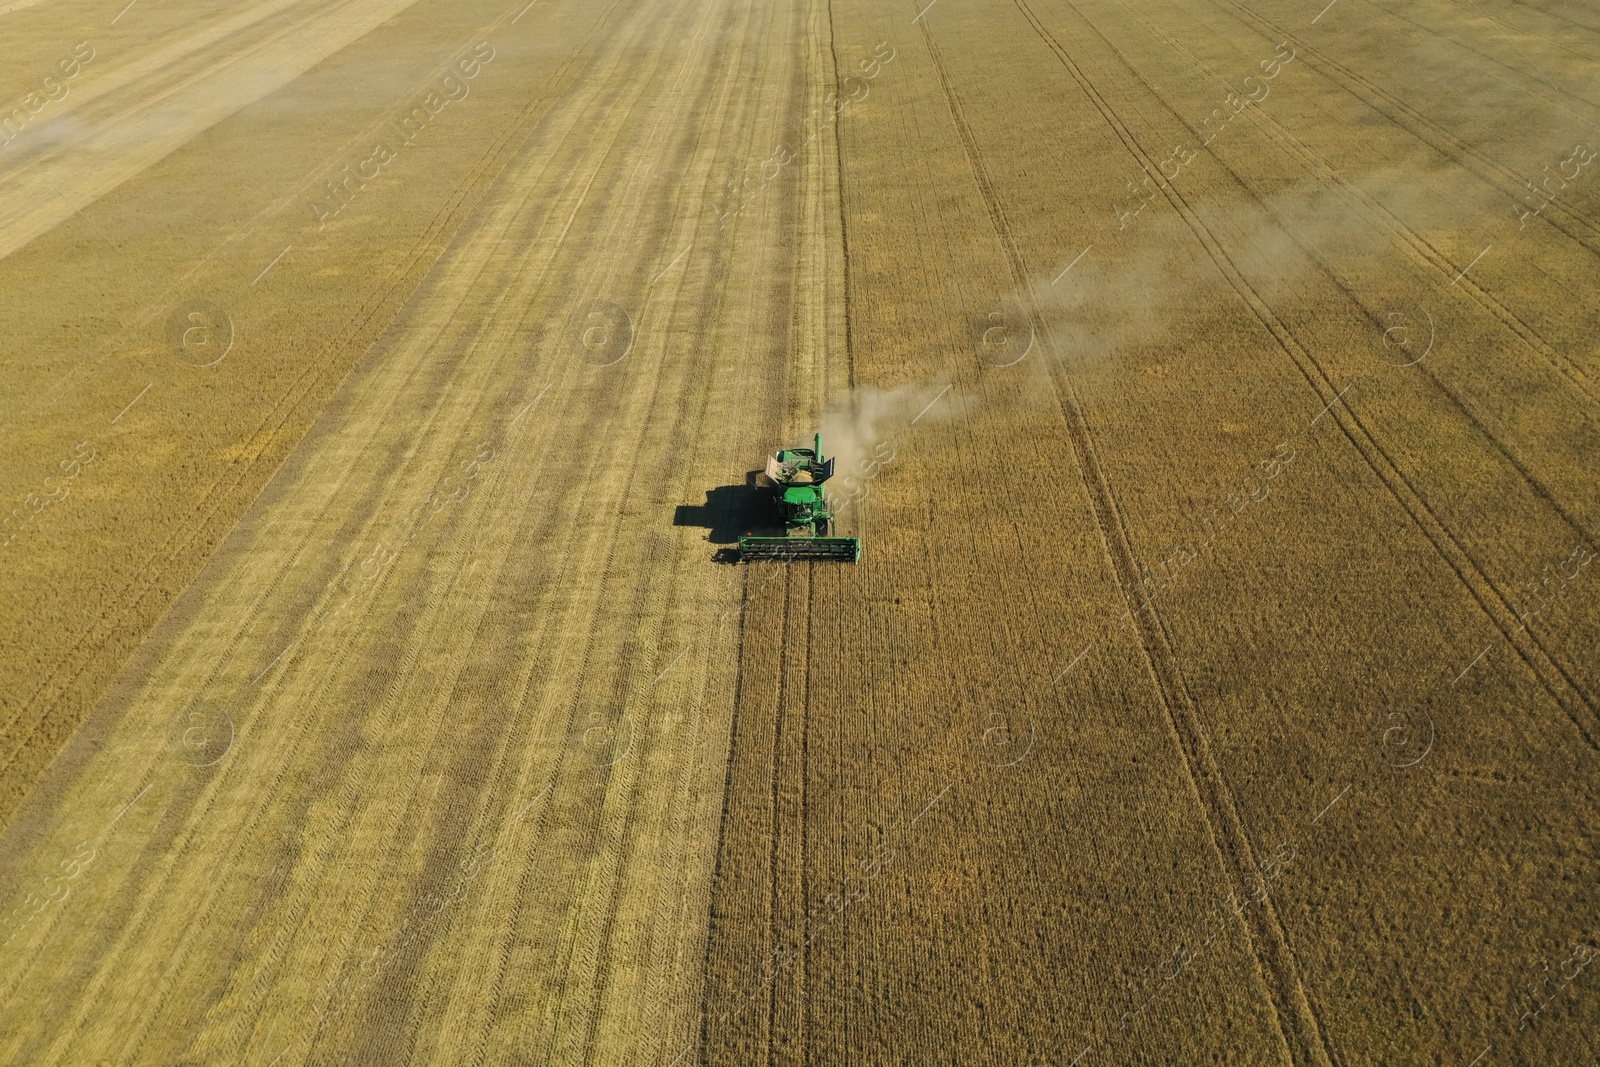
(1215,392)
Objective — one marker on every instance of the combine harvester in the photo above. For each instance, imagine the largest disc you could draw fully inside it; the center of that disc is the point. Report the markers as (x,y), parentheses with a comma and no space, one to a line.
(797,475)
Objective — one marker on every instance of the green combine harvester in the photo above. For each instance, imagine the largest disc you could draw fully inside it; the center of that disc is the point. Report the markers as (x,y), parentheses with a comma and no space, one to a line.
(797,475)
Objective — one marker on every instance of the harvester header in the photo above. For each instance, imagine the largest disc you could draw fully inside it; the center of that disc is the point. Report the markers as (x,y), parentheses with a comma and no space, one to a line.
(796,476)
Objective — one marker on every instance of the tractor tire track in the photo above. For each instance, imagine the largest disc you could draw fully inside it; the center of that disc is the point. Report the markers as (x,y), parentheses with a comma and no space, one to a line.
(345,647)
(628,833)
(1420,248)
(1295,1020)
(346,643)
(1495,174)
(526,230)
(775,820)
(1487,57)
(703,1031)
(1417,248)
(437,591)
(770,739)
(786,222)
(1423,254)
(318,378)
(1557,681)
(605,547)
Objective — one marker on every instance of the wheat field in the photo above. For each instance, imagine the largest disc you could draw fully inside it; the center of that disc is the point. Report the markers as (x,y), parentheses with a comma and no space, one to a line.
(1215,387)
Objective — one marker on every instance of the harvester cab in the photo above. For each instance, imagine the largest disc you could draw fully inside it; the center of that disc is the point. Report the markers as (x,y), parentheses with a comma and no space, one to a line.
(797,476)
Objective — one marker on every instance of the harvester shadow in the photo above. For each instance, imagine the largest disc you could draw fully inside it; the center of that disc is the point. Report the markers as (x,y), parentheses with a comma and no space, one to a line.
(730,512)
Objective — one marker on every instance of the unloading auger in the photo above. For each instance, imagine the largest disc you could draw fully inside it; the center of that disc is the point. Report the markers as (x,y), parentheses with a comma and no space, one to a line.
(797,476)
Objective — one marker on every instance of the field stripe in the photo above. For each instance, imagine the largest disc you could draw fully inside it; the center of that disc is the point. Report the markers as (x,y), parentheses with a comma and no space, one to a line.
(1418,248)
(557,1011)
(340,649)
(1425,129)
(1470,158)
(1553,675)
(1285,995)
(319,377)
(766,856)
(202,60)
(1296,1019)
(1420,251)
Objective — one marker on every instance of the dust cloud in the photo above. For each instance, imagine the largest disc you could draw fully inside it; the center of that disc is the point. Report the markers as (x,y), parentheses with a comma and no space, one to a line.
(853,428)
